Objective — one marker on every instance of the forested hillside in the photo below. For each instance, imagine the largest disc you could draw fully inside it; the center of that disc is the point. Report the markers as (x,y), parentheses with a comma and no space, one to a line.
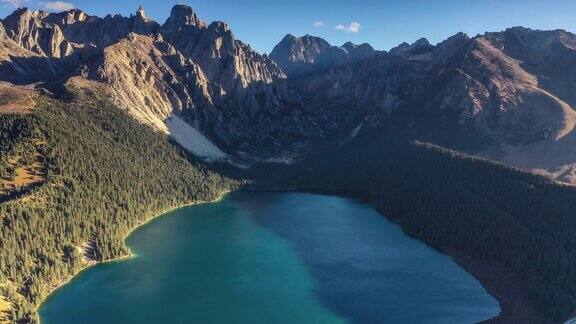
(103,174)
(488,211)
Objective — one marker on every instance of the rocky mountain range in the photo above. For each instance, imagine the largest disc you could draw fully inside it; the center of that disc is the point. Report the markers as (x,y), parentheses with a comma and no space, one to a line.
(508,96)
(184,69)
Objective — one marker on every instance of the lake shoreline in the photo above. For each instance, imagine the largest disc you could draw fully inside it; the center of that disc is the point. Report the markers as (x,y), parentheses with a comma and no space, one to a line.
(90,264)
(171,240)
(503,286)
(499,283)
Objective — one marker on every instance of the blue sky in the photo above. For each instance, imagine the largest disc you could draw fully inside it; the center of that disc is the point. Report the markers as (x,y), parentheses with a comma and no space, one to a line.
(382,23)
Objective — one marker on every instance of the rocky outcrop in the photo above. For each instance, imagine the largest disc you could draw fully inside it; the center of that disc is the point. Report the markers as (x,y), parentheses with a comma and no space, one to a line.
(222,57)
(140,79)
(180,17)
(20,65)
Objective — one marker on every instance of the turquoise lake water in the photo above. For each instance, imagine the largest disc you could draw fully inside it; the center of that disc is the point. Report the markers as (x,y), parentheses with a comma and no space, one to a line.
(273,257)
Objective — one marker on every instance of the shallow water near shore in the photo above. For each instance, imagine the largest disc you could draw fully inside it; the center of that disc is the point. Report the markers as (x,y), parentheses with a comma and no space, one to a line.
(275,257)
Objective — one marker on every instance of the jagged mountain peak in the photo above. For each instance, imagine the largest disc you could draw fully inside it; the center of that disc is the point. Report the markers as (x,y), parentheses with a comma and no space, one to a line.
(19,15)
(305,54)
(24,15)
(418,47)
(69,17)
(447,48)
(141,13)
(181,16)
(219,26)
(296,54)
(400,48)
(18,12)
(288,37)
(291,41)
(421,42)
(537,39)
(312,37)
(458,36)
(349,46)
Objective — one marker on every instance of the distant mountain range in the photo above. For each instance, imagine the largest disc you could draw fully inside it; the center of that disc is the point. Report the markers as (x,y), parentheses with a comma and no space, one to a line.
(508,96)
(306,54)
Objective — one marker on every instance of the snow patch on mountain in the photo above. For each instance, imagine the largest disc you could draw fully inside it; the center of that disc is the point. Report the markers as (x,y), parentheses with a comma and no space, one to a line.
(193,141)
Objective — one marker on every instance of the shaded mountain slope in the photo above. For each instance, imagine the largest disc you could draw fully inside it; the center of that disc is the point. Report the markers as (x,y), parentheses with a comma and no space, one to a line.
(494,94)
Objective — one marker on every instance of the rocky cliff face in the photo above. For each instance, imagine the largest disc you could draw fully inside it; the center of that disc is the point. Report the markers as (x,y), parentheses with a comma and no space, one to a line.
(59,35)
(180,17)
(64,41)
(184,68)
(307,54)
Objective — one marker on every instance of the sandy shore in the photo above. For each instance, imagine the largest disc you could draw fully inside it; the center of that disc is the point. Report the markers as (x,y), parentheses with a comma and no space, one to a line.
(88,263)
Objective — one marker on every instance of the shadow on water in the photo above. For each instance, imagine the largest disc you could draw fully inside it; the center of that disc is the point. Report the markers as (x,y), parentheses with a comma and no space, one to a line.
(365,268)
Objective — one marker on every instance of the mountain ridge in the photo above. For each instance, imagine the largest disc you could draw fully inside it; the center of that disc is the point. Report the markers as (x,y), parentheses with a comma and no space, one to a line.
(209,75)
(308,54)
(504,95)
(490,92)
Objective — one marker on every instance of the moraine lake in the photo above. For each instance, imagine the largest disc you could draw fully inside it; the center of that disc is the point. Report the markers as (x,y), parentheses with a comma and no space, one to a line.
(273,257)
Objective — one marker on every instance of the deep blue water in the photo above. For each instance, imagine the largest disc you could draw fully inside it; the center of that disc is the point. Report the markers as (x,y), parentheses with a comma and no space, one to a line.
(273,257)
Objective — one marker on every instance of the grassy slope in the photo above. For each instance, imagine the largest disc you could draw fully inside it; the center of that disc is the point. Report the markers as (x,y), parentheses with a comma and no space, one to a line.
(106,173)
(4,310)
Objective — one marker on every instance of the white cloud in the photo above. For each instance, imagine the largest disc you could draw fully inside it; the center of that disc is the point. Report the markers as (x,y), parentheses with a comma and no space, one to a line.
(319,24)
(58,6)
(353,27)
(14,3)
